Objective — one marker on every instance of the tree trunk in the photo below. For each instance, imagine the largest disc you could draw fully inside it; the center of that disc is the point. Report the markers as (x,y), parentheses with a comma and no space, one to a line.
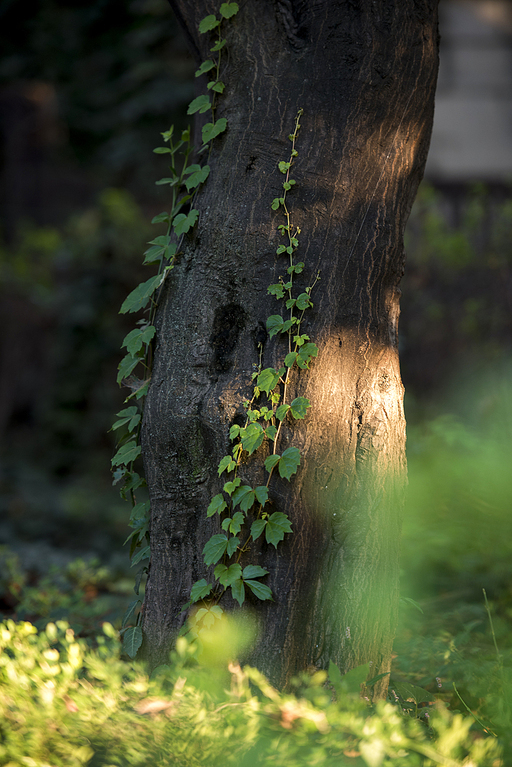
(364,73)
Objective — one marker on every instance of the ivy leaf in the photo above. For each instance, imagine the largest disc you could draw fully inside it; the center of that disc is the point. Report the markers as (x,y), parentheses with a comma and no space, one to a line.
(132,640)
(230,487)
(267,379)
(252,437)
(197,177)
(304,301)
(257,528)
(277,525)
(130,611)
(139,297)
(271,432)
(160,218)
(244,496)
(234,431)
(274,324)
(215,548)
(217,505)
(276,290)
(275,203)
(126,454)
(218,87)
(232,546)
(211,130)
(130,416)
(226,575)
(235,524)
(306,352)
(126,366)
(299,407)
(227,10)
(182,223)
(205,66)
(271,461)
(208,23)
(261,493)
(219,45)
(259,590)
(254,571)
(200,590)
(142,554)
(289,462)
(227,464)
(238,591)
(137,338)
(282,410)
(200,104)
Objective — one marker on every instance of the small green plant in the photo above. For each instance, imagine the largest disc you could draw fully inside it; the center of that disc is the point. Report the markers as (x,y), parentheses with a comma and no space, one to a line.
(68,703)
(245,510)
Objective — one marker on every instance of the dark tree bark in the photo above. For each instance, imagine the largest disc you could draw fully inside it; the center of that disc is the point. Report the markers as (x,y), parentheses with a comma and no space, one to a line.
(364,73)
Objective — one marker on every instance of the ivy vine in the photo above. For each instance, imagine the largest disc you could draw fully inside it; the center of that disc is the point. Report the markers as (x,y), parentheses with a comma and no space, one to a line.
(246,511)
(134,370)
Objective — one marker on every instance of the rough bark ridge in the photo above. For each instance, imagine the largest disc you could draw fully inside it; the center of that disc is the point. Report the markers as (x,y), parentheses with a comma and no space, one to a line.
(364,72)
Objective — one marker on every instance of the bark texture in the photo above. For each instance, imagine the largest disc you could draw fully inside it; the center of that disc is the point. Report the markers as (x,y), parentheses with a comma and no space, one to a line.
(364,72)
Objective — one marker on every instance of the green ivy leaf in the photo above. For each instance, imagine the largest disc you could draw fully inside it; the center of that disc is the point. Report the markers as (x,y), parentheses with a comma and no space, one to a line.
(200,590)
(274,324)
(197,177)
(254,571)
(126,454)
(139,297)
(227,10)
(259,590)
(257,528)
(283,166)
(226,575)
(230,487)
(244,496)
(126,366)
(132,640)
(238,591)
(252,437)
(160,218)
(217,505)
(130,611)
(219,45)
(282,410)
(215,548)
(200,104)
(137,338)
(182,223)
(277,525)
(276,290)
(129,416)
(208,23)
(211,130)
(276,203)
(163,150)
(267,379)
(304,301)
(205,67)
(290,460)
(299,407)
(271,432)
(234,524)
(140,555)
(261,493)
(232,546)
(234,431)
(271,461)
(218,87)
(227,464)
(306,352)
